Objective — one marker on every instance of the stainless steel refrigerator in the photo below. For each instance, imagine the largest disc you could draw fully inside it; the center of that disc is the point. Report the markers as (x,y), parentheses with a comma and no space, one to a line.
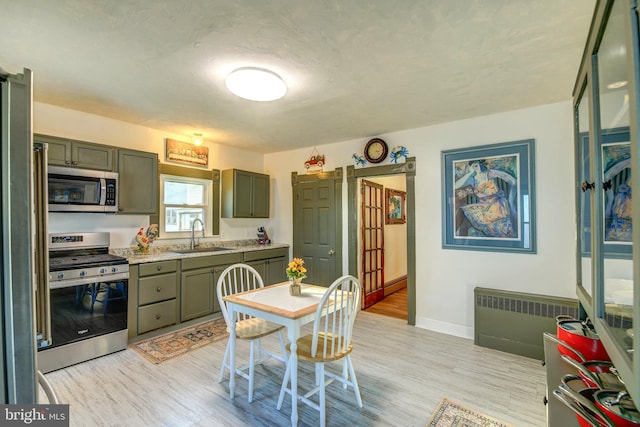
(23,241)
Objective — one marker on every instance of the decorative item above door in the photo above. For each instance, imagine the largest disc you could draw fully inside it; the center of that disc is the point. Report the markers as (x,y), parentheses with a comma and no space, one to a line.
(315,162)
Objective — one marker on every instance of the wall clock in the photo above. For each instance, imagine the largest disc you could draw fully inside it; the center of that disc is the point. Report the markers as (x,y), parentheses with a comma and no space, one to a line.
(375,150)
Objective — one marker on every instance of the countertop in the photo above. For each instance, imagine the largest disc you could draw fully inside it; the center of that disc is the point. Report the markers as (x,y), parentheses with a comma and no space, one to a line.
(165,254)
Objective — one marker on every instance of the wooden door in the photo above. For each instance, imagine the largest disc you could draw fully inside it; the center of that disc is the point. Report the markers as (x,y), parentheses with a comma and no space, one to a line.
(372,242)
(317,228)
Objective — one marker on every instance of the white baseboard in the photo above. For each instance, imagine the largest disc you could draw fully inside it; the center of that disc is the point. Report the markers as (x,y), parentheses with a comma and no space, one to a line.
(445,328)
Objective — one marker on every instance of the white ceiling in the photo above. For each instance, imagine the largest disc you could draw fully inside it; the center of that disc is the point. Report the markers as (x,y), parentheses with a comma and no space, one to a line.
(355,68)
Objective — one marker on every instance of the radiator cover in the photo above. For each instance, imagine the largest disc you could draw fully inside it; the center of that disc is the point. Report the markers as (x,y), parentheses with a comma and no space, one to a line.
(514,321)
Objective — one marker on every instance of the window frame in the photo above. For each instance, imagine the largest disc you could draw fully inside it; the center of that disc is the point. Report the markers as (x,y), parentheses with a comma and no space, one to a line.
(206,204)
(212,224)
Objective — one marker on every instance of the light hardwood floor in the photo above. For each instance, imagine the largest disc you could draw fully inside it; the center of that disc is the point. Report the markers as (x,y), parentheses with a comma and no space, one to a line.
(403,373)
(394,305)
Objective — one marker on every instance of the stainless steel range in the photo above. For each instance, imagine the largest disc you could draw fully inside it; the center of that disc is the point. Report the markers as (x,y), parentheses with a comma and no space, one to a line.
(88,293)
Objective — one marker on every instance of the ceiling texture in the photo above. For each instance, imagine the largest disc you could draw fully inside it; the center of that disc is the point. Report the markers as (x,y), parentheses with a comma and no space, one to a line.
(354,68)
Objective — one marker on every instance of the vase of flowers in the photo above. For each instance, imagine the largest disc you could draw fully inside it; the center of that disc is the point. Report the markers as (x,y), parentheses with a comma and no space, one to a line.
(296,272)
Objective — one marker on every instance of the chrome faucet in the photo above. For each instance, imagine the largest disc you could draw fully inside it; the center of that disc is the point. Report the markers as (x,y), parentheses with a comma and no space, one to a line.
(193,233)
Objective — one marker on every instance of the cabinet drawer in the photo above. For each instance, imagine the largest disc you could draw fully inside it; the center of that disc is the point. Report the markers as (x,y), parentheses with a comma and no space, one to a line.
(266,253)
(157,288)
(211,261)
(154,316)
(158,267)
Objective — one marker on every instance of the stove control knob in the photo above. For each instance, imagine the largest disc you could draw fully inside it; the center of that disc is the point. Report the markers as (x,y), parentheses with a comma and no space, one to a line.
(60,275)
(83,273)
(103,270)
(114,269)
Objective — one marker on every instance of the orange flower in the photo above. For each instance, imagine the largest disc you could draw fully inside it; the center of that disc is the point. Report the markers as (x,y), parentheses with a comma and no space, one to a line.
(296,269)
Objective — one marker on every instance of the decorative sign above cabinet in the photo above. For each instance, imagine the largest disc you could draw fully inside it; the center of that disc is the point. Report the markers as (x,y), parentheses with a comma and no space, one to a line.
(186,153)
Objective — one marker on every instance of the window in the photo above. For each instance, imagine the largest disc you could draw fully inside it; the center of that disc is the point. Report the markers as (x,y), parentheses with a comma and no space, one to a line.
(182,200)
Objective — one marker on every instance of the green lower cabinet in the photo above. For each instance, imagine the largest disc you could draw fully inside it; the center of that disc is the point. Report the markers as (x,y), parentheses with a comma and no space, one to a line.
(269,263)
(271,270)
(165,293)
(198,285)
(153,289)
(275,270)
(198,295)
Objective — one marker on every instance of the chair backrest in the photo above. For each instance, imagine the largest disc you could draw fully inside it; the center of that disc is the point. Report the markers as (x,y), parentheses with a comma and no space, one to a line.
(235,279)
(333,324)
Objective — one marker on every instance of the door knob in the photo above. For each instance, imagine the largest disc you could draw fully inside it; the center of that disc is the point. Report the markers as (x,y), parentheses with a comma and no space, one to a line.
(332,252)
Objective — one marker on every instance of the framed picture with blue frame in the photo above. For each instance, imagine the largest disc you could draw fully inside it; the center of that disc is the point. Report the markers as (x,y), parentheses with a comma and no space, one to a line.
(489,198)
(615,156)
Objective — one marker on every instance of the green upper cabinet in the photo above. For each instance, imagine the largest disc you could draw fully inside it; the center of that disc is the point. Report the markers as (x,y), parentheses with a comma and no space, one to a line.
(245,194)
(86,155)
(606,123)
(138,178)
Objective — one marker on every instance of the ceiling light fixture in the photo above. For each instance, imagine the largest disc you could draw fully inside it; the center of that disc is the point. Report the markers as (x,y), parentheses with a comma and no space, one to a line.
(197,139)
(256,84)
(617,85)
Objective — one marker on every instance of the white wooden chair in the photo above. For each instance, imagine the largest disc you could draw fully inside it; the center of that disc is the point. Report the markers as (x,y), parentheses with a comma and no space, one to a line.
(330,341)
(239,278)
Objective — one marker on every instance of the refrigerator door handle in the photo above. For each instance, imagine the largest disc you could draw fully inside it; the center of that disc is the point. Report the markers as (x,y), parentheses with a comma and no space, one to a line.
(41,245)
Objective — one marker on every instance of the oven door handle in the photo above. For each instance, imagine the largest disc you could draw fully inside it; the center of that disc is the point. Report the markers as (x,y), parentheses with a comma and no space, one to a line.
(118,277)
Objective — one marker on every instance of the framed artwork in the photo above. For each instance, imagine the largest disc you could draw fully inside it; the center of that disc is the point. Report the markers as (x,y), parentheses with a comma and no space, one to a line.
(394,208)
(489,198)
(615,163)
(186,153)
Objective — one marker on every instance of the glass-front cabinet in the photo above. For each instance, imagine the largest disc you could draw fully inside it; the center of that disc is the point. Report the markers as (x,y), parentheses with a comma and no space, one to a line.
(607,169)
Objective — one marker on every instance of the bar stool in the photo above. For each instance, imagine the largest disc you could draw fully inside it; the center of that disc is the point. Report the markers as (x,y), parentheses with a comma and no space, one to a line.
(112,292)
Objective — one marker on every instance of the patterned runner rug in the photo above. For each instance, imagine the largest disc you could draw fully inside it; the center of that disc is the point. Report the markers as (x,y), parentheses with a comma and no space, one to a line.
(451,414)
(182,341)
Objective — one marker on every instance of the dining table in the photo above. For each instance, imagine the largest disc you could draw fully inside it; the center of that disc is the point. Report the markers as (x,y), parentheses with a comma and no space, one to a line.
(275,304)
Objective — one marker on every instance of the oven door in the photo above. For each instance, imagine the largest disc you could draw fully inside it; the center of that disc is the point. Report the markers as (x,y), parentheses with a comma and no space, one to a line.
(88,310)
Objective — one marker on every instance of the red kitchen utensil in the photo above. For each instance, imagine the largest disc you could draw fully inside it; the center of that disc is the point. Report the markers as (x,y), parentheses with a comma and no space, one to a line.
(581,401)
(581,337)
(597,373)
(618,407)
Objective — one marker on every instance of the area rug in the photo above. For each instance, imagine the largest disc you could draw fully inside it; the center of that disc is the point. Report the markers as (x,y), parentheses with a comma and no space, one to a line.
(176,343)
(452,414)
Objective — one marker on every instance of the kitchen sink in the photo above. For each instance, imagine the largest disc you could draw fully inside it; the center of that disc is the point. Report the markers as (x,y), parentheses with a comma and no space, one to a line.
(201,250)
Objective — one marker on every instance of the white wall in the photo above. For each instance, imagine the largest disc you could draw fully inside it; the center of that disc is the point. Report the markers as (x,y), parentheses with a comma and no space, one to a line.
(446,278)
(56,121)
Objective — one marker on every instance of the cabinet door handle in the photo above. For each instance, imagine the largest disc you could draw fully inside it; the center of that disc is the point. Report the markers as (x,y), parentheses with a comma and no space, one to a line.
(158,289)
(75,162)
(159,267)
(67,162)
(158,317)
(331,252)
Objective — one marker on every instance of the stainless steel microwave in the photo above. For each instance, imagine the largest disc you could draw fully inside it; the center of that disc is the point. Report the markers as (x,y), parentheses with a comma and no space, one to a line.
(82,190)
